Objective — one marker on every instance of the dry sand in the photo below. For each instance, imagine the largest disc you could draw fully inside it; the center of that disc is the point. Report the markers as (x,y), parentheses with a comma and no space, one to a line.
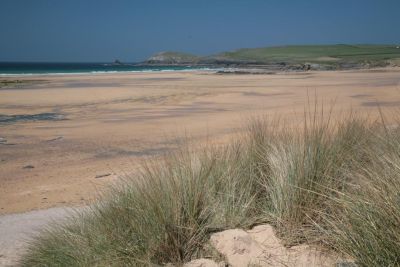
(111,121)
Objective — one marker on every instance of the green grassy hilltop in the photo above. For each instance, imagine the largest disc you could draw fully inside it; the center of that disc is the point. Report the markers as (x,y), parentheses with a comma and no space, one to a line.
(338,56)
(316,53)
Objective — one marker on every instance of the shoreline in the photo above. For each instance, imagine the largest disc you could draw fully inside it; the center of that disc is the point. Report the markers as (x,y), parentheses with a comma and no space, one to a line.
(11,75)
(217,69)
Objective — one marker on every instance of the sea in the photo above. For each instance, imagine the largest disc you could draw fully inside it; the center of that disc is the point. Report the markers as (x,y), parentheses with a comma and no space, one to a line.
(28,68)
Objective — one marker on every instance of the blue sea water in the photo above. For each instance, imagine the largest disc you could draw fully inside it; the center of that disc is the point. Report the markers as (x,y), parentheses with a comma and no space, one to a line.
(21,68)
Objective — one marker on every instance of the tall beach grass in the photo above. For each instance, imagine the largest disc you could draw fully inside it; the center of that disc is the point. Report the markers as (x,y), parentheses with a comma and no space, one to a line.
(331,182)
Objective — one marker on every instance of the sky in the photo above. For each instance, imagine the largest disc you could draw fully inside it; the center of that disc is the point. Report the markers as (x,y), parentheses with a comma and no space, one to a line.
(133,30)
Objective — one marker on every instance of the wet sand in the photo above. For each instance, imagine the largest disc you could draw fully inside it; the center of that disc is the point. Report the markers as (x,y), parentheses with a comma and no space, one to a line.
(60,133)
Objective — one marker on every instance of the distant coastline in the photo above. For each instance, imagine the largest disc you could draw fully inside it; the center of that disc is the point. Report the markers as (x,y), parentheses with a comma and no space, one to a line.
(246,60)
(289,58)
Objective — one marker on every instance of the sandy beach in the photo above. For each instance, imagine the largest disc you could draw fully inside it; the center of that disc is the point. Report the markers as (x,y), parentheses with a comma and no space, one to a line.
(68,137)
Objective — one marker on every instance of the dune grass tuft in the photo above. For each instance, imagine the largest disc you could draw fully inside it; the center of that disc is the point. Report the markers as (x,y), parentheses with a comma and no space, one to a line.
(366,224)
(332,182)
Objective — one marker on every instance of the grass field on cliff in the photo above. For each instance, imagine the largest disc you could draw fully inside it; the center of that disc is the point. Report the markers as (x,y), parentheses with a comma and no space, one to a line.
(335,183)
(317,53)
(324,54)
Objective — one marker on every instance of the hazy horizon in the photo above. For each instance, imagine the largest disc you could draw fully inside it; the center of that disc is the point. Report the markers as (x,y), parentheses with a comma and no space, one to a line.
(131,31)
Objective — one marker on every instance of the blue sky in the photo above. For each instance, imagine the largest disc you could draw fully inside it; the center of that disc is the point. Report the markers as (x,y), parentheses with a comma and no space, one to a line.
(101,30)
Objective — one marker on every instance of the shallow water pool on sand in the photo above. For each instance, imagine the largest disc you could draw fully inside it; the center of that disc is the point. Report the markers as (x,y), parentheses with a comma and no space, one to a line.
(8,119)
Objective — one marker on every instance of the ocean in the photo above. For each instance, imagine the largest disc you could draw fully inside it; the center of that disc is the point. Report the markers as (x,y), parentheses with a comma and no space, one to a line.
(21,68)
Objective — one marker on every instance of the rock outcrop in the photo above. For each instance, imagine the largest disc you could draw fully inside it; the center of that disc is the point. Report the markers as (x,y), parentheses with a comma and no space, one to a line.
(262,248)
(168,58)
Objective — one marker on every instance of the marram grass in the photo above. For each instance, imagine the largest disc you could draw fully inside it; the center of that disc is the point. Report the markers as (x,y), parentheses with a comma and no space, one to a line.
(333,183)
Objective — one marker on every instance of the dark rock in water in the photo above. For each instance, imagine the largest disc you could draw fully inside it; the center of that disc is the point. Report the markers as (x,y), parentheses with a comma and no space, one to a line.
(28,167)
(103,175)
(307,67)
(117,62)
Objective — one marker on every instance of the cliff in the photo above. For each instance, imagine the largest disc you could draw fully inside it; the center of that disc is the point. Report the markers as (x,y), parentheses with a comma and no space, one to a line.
(304,57)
